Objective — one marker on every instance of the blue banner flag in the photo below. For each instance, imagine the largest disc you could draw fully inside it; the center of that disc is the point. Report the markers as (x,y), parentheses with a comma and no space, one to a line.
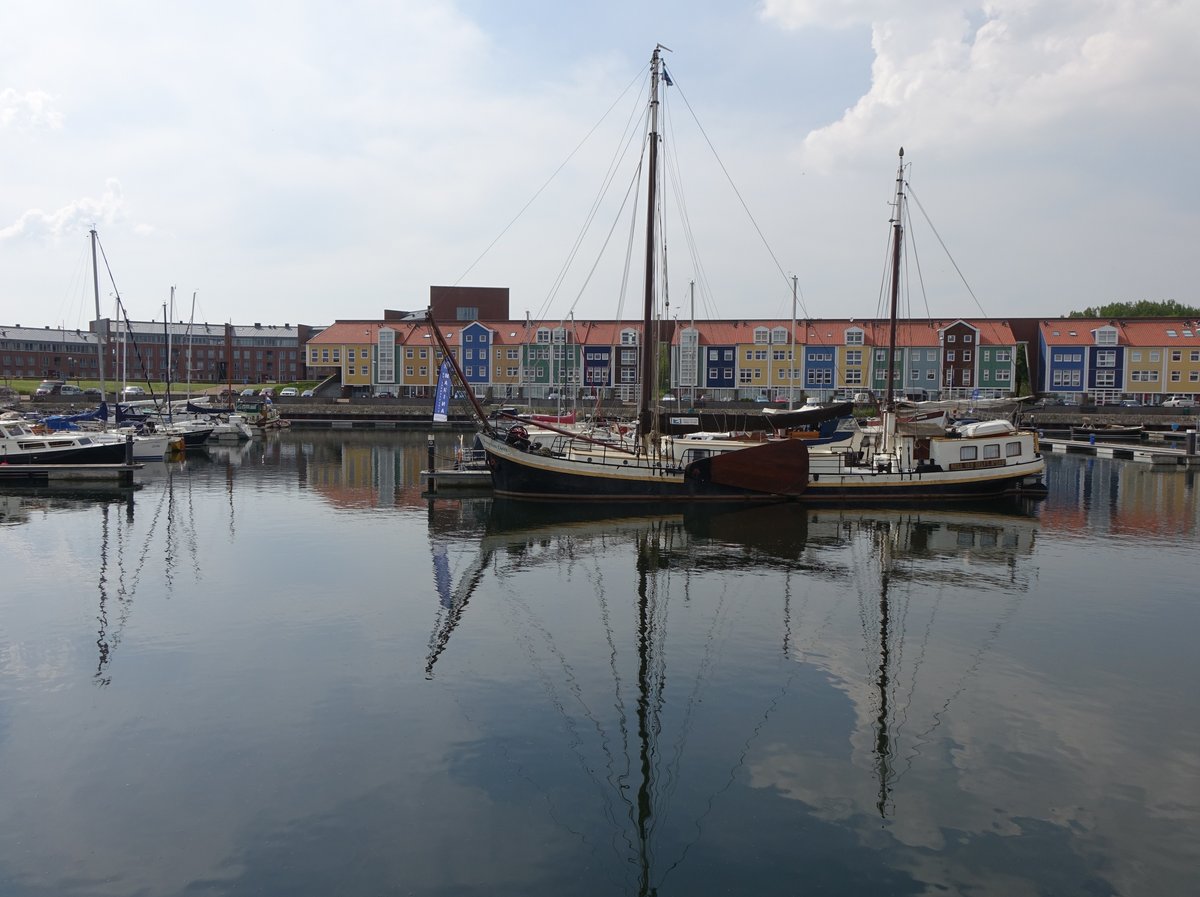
(441,399)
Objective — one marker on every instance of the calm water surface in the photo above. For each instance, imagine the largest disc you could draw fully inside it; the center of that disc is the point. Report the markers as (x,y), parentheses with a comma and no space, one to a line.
(278,670)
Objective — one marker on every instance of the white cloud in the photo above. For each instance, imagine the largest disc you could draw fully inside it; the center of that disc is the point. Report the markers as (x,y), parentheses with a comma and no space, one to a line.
(74,218)
(1008,71)
(32,110)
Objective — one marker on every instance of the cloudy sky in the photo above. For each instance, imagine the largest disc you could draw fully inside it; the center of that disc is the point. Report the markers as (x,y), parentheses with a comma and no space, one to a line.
(303,161)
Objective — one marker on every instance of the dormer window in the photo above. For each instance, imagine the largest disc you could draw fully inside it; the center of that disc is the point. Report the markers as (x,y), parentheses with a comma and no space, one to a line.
(854,337)
(629,338)
(760,334)
(779,335)
(543,334)
(1106,336)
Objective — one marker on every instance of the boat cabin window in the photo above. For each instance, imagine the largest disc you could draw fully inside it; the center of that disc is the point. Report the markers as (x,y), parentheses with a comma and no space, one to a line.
(1012,449)
(992,450)
(968,452)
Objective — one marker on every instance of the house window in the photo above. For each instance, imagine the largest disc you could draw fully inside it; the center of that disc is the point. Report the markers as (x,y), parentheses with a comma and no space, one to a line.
(1106,336)
(949,337)
(760,334)
(949,354)
(779,335)
(408,370)
(1177,355)
(1135,355)
(854,356)
(1106,358)
(1106,378)
(854,337)
(966,354)
(364,371)
(1003,355)
(967,337)
(931,355)
(629,338)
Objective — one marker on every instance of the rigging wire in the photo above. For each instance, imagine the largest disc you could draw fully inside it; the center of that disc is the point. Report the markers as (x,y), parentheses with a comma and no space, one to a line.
(787,280)
(636,79)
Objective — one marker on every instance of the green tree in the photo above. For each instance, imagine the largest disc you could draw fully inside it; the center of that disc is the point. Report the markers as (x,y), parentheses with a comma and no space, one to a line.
(1142,308)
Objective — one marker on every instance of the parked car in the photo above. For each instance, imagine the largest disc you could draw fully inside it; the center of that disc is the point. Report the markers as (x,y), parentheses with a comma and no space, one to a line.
(131,391)
(49,388)
(287,391)
(1178,402)
(668,398)
(248,391)
(307,394)
(93,392)
(266,391)
(68,389)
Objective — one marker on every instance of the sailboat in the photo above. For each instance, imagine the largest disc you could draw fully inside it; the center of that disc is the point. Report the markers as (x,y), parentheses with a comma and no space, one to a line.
(978,460)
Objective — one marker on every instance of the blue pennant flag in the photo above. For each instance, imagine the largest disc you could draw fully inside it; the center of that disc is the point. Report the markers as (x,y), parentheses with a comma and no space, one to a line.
(441,399)
(667,77)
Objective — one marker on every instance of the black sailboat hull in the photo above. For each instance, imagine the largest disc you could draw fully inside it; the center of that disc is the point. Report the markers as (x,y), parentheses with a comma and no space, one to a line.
(98,453)
(530,475)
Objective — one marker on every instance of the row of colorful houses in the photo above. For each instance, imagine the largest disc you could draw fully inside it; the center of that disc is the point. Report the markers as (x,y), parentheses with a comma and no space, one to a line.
(1103,359)
(720,360)
(1078,359)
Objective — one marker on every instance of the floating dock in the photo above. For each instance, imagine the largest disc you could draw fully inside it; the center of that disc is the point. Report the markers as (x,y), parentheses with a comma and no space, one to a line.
(1144,452)
(51,474)
(455,480)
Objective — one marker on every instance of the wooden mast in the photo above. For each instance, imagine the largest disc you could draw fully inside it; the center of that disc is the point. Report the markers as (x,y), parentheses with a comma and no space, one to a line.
(897,238)
(648,347)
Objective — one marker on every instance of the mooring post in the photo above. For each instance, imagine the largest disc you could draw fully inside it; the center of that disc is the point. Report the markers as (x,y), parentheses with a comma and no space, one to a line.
(430,451)
(128,449)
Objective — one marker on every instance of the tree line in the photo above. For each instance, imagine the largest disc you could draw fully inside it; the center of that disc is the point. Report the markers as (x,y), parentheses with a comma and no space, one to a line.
(1142,308)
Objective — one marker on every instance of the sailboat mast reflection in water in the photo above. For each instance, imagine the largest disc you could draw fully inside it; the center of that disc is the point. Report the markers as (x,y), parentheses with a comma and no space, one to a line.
(640,777)
(170,528)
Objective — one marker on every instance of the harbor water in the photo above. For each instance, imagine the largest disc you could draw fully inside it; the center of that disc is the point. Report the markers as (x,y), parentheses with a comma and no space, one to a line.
(278,669)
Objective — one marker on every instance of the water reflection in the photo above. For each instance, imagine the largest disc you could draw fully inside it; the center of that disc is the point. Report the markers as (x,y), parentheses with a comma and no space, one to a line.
(659,580)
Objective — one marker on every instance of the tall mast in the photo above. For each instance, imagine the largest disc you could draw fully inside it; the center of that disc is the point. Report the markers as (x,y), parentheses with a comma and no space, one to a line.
(897,238)
(648,372)
(101,330)
(167,336)
(792,366)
